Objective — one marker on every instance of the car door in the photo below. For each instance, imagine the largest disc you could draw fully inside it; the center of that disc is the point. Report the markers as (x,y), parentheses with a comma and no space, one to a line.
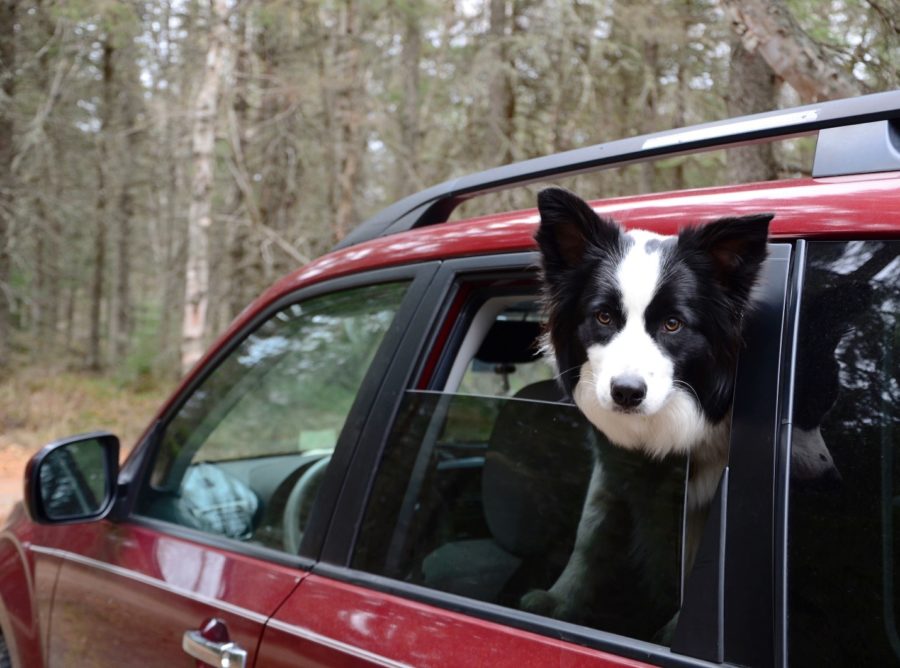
(842,530)
(229,484)
(465,494)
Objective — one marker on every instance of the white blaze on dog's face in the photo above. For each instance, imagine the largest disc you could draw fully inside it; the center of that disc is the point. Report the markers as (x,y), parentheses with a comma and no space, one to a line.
(630,372)
(627,384)
(646,328)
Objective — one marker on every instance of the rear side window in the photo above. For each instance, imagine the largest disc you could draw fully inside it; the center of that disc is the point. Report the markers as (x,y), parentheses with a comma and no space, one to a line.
(484,480)
(844,507)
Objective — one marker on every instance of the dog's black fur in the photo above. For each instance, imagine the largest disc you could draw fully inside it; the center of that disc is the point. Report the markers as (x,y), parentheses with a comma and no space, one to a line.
(690,325)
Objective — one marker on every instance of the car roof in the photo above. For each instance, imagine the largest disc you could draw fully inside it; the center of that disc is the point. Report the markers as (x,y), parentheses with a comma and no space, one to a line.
(859,206)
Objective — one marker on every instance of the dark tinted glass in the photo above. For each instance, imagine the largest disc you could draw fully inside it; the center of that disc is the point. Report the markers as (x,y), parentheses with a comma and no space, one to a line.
(844,540)
(481,497)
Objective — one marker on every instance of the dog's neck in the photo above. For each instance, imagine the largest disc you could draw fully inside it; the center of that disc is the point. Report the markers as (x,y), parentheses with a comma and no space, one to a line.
(708,450)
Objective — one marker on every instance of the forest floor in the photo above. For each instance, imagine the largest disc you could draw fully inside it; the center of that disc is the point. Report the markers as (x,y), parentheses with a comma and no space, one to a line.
(39,405)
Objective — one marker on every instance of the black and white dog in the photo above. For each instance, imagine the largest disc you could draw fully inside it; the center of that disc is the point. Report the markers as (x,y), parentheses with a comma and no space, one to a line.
(645,332)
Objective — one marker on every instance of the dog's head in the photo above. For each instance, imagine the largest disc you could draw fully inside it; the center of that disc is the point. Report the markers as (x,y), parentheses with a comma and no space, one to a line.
(645,329)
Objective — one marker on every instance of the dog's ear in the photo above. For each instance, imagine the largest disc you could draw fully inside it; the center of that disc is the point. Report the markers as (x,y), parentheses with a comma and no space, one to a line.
(734,249)
(569,228)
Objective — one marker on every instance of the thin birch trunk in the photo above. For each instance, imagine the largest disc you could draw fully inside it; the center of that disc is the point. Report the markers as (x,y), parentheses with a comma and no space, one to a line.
(196,295)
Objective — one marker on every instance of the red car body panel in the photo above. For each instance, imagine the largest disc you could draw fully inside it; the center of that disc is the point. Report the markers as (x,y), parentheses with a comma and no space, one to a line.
(104,572)
(125,594)
(330,623)
(25,590)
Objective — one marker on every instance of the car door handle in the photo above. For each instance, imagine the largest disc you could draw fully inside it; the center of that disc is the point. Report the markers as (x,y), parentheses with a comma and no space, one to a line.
(219,654)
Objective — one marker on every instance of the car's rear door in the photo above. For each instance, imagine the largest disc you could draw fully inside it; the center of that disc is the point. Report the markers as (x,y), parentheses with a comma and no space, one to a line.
(236,472)
(437,534)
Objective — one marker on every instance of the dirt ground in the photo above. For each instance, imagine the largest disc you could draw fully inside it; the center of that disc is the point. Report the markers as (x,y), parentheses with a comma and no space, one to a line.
(12,470)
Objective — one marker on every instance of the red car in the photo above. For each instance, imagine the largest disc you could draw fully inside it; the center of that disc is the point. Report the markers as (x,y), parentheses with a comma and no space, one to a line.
(373,466)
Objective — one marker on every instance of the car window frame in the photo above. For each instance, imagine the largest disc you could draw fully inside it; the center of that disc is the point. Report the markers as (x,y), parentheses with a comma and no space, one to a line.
(438,304)
(782,468)
(738,524)
(743,629)
(136,473)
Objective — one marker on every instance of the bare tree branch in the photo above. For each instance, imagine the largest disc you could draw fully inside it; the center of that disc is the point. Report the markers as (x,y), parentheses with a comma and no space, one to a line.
(768,27)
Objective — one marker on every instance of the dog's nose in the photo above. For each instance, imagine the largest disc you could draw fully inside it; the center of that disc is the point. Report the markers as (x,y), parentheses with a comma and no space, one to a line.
(628,391)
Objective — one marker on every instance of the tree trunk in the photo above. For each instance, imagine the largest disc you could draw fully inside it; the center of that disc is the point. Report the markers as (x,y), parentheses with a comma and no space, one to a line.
(349,113)
(123,316)
(768,27)
(46,217)
(94,356)
(407,177)
(7,149)
(196,295)
(128,150)
(752,88)
(240,280)
(648,110)
(501,96)
(168,173)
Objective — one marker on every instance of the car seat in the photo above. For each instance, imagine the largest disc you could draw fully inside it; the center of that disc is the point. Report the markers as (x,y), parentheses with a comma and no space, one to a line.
(535,476)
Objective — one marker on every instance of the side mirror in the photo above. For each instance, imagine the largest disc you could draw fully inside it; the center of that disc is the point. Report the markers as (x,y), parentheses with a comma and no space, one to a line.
(73,480)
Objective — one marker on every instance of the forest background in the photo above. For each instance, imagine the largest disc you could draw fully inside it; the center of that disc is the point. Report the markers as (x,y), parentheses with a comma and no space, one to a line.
(162,162)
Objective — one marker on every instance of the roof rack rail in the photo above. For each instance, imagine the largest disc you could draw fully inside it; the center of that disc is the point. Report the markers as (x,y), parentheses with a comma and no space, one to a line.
(435,204)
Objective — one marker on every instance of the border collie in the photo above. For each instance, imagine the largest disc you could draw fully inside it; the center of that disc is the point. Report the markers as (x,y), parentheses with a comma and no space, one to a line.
(645,331)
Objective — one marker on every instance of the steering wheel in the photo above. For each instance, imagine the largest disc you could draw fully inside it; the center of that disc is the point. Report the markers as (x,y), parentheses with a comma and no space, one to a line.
(299,503)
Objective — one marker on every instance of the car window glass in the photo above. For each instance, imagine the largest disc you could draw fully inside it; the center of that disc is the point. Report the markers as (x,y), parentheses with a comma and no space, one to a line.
(244,455)
(505,355)
(481,496)
(844,504)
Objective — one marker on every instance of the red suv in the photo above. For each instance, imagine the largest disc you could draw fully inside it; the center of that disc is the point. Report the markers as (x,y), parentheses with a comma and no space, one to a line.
(373,465)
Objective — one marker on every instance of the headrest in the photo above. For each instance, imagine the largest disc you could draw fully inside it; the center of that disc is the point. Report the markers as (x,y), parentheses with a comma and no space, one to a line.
(510,342)
(536,470)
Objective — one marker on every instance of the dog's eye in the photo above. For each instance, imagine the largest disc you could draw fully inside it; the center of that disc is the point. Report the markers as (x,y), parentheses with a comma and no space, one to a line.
(603,317)
(673,324)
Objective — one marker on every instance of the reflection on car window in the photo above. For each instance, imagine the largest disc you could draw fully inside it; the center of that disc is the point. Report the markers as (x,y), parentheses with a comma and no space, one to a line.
(73,480)
(270,413)
(482,497)
(844,540)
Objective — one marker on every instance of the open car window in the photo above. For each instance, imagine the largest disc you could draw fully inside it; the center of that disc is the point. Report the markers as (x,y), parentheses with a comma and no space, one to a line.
(485,478)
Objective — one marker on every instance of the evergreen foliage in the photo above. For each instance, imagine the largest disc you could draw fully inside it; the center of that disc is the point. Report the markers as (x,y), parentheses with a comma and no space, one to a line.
(327,111)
